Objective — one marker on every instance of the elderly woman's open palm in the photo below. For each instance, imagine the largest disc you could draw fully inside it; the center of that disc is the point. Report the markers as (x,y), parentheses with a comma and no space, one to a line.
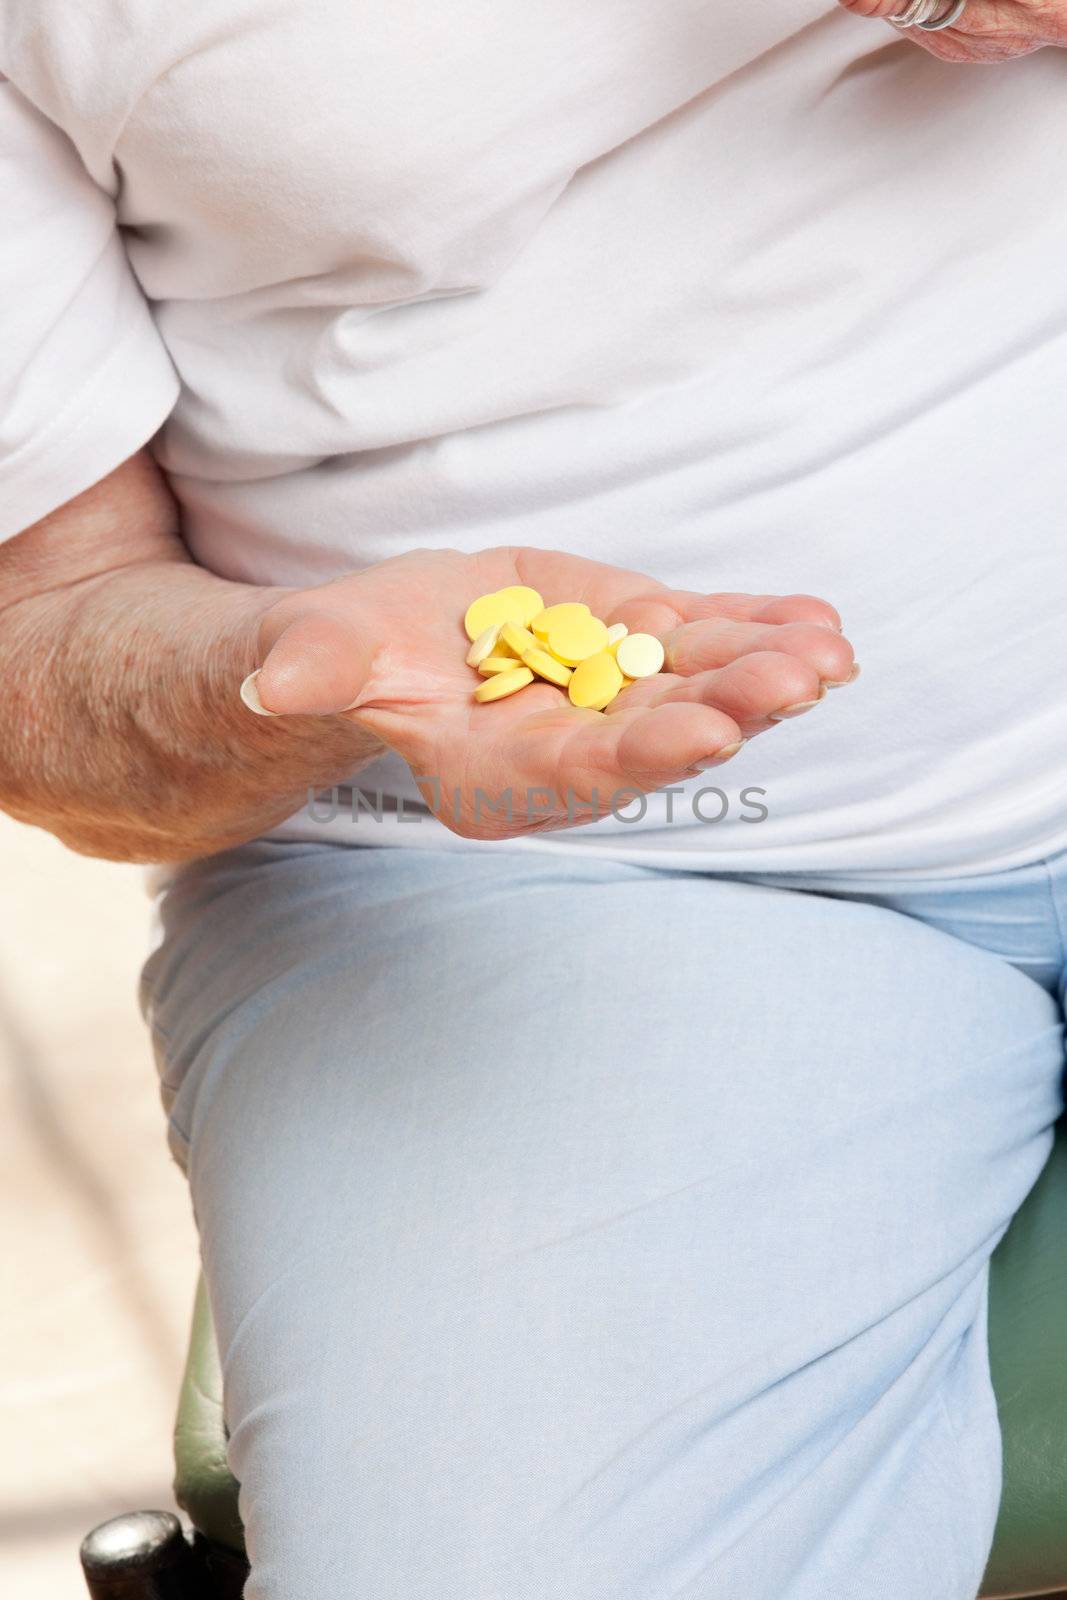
(977,30)
(386,646)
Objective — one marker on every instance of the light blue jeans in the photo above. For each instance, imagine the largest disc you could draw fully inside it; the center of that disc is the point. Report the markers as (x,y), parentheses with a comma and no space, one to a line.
(583,1231)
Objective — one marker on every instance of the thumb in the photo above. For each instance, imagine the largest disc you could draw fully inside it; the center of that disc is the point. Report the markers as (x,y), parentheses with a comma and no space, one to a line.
(316,664)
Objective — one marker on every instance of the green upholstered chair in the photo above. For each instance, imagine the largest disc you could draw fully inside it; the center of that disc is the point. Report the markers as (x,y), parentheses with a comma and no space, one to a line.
(1028,1359)
(1028,1343)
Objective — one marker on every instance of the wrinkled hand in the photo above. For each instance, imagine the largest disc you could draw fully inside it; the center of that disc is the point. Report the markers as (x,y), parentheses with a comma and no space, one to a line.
(386,648)
(988,30)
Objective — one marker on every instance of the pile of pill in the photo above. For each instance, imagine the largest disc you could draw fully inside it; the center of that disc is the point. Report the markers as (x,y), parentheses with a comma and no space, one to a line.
(516,638)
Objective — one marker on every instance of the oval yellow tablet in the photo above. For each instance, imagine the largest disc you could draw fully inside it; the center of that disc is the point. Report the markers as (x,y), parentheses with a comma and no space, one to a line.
(502,684)
(639,655)
(483,645)
(493,664)
(567,609)
(518,639)
(595,681)
(514,604)
(487,611)
(577,637)
(547,666)
(617,631)
(524,601)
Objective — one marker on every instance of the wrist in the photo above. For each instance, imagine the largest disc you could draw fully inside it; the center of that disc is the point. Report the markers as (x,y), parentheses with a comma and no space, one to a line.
(150,752)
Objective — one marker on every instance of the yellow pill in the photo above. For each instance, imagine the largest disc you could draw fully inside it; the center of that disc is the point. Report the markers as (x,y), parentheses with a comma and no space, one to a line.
(577,637)
(502,684)
(526,602)
(519,639)
(493,664)
(595,681)
(561,613)
(547,666)
(483,645)
(639,655)
(488,611)
(514,604)
(617,631)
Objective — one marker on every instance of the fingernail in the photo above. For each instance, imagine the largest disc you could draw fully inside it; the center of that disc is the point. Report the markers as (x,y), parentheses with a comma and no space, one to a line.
(843,683)
(250,695)
(795,710)
(724,754)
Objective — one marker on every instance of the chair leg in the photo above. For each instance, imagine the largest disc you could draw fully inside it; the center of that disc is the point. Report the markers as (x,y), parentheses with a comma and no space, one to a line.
(226,1569)
(143,1555)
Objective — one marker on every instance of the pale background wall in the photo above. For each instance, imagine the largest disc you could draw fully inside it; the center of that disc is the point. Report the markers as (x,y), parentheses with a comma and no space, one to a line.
(97,1249)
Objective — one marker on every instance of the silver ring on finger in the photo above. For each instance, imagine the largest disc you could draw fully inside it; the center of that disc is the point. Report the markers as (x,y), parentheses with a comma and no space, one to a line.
(914,12)
(949,20)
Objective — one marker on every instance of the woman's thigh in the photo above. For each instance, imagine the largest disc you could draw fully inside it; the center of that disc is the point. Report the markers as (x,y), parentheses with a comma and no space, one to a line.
(580,1232)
